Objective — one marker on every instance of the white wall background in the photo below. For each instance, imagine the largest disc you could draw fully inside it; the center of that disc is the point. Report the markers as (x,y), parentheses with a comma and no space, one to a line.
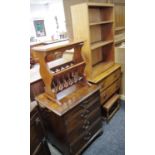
(47,10)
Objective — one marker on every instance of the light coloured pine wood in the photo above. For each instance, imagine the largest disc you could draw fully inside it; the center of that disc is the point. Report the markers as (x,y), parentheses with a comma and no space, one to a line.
(112,114)
(101,4)
(101,22)
(94,23)
(104,74)
(96,56)
(120,28)
(119,38)
(110,102)
(48,76)
(100,44)
(98,69)
(81,31)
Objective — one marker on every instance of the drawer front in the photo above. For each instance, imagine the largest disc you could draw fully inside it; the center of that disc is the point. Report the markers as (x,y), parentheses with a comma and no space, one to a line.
(84,139)
(110,79)
(110,91)
(84,125)
(84,105)
(83,114)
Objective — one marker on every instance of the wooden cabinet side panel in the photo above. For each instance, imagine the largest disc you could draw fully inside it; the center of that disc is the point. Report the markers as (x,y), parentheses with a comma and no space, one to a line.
(80,24)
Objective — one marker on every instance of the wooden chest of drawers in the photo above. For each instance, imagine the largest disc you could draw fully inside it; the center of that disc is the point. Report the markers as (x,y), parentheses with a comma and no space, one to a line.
(71,131)
(38,144)
(109,82)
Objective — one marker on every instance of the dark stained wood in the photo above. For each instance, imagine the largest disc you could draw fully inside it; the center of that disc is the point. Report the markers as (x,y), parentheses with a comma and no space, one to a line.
(38,144)
(66,124)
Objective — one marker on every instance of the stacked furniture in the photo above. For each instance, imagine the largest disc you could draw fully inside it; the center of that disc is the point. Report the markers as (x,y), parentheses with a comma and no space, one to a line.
(94,23)
(38,143)
(70,106)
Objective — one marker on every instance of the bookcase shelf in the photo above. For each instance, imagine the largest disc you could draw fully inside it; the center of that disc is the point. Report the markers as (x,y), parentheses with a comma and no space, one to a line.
(101,22)
(94,23)
(100,44)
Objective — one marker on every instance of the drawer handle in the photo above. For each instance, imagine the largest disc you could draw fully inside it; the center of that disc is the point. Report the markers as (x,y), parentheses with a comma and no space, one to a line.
(86,101)
(87,111)
(85,127)
(87,122)
(83,115)
(117,86)
(115,75)
(83,106)
(37,121)
(87,137)
(105,96)
(103,84)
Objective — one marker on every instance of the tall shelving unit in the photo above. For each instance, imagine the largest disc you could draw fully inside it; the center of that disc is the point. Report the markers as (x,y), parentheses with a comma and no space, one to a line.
(94,23)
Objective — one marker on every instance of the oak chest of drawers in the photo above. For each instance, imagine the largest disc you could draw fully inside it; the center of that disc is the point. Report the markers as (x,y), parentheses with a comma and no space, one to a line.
(109,82)
(73,125)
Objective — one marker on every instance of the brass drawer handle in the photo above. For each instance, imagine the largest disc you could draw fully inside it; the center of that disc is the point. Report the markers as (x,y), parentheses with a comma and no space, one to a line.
(83,106)
(105,96)
(88,136)
(85,127)
(83,115)
(87,111)
(87,122)
(117,86)
(86,101)
(37,121)
(115,75)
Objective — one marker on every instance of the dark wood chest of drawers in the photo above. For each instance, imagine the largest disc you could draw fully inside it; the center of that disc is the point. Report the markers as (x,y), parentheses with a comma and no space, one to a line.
(76,128)
(38,144)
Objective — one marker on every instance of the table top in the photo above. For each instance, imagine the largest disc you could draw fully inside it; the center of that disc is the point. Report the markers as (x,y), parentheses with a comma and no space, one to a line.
(80,91)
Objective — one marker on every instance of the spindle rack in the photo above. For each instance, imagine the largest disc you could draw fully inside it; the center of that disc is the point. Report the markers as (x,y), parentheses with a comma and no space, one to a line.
(65,78)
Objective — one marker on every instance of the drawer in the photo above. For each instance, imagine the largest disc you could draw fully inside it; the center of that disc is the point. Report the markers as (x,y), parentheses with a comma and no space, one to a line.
(86,104)
(110,79)
(84,125)
(82,115)
(110,91)
(84,139)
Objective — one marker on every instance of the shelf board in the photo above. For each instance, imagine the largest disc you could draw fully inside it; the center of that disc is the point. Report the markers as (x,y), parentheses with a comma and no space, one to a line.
(101,22)
(100,4)
(100,44)
(74,67)
(120,28)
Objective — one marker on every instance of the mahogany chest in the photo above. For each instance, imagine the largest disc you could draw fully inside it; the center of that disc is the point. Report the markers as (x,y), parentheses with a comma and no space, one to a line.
(72,126)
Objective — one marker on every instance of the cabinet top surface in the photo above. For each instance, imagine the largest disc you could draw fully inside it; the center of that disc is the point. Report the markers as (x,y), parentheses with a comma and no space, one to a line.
(55,46)
(81,92)
(101,4)
(106,73)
